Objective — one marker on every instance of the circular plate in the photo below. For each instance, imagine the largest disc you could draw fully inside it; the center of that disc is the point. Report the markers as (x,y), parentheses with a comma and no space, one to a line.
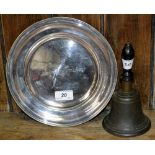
(61,71)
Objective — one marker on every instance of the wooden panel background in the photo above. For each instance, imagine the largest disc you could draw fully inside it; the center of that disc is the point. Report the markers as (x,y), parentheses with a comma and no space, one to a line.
(118,29)
(13,25)
(94,20)
(3,90)
(152,65)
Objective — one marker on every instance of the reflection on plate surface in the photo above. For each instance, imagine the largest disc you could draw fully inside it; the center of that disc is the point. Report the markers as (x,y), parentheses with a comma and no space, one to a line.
(61,71)
(55,66)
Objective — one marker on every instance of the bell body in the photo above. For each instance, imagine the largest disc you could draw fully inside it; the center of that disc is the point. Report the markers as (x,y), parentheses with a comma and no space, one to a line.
(126,117)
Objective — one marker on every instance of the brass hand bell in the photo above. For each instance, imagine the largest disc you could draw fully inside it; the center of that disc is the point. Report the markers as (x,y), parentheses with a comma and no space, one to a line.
(126,117)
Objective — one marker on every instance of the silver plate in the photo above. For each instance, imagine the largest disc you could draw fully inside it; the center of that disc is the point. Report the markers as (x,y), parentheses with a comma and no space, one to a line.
(61,71)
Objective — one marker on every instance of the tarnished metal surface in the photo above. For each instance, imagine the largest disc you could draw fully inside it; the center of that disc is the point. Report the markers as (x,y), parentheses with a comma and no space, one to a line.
(61,56)
(126,117)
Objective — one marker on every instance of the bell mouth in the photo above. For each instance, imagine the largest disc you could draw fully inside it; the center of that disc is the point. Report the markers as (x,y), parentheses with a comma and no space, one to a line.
(137,130)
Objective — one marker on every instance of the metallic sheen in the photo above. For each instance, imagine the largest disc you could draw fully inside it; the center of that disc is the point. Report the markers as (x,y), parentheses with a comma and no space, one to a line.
(59,54)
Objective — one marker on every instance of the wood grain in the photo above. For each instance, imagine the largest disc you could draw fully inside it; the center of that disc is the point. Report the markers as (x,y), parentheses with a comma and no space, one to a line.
(3,90)
(119,29)
(152,66)
(93,20)
(13,126)
(13,25)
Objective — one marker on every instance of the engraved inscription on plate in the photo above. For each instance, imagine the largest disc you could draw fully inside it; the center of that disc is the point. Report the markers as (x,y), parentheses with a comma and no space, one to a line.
(59,65)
